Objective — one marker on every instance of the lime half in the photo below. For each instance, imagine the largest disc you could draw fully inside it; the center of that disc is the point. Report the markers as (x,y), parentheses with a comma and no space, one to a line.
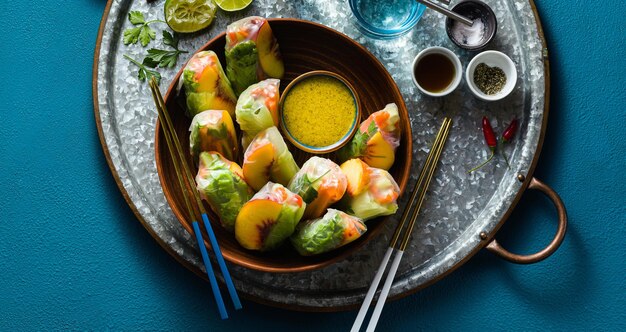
(233,5)
(189,15)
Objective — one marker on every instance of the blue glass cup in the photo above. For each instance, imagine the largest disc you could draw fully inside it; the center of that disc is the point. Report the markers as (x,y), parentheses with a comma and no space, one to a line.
(386,19)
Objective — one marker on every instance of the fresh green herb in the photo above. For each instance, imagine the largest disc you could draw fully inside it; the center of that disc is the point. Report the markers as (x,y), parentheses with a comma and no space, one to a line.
(304,187)
(141,32)
(164,58)
(144,71)
(357,146)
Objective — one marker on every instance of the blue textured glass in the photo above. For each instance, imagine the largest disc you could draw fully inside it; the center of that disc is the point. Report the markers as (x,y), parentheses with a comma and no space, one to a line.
(387,18)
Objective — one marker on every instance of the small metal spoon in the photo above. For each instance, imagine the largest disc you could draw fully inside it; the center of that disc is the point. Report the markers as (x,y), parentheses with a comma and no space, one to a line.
(443,10)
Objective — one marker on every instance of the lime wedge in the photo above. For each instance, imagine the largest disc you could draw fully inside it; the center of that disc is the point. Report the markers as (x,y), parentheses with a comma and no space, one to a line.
(189,15)
(233,5)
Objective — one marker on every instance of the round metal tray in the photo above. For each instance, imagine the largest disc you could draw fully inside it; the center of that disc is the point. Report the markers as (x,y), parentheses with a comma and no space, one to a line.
(461,213)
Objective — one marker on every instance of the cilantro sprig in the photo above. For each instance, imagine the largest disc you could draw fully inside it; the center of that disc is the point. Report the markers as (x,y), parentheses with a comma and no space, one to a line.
(303,186)
(164,58)
(142,31)
(144,71)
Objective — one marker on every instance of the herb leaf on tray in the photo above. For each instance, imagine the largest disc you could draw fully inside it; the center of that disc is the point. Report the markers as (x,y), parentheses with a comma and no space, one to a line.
(141,32)
(164,58)
(144,71)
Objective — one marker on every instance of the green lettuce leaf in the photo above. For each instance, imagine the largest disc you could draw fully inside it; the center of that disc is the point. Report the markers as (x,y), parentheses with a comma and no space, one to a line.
(241,65)
(224,190)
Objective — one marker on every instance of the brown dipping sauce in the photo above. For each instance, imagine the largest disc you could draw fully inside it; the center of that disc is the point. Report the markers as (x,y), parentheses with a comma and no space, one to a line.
(434,72)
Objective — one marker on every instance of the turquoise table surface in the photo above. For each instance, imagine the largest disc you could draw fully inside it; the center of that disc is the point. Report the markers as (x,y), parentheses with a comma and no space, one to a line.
(73,255)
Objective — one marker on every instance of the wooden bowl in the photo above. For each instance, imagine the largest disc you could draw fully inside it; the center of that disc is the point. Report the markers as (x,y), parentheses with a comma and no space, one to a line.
(305,46)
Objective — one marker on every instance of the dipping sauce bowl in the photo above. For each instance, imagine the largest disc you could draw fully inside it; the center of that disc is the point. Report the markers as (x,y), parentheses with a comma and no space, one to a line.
(319,111)
(437,71)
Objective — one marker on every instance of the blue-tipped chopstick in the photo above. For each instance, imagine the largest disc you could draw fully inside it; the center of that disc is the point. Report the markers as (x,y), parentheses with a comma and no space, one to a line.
(189,189)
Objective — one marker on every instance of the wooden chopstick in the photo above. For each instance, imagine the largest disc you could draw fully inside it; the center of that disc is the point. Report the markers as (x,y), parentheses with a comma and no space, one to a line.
(419,192)
(188,186)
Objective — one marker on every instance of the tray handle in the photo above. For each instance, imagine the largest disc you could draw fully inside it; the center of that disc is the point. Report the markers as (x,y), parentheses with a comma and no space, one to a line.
(497,249)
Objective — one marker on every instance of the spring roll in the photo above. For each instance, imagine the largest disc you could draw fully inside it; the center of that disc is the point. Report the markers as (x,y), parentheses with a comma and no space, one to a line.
(257,109)
(220,183)
(320,182)
(371,199)
(330,232)
(269,218)
(252,53)
(376,140)
(267,158)
(213,130)
(206,85)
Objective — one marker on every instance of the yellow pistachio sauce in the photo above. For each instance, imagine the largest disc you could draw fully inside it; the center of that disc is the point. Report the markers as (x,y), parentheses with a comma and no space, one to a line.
(319,111)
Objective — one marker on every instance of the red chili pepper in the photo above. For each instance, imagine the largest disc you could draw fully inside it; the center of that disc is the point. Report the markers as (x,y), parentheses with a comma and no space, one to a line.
(490,136)
(510,131)
(507,136)
(492,142)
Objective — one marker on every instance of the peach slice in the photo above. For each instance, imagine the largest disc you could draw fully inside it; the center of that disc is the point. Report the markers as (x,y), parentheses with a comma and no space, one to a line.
(358,176)
(379,153)
(255,222)
(270,58)
(257,164)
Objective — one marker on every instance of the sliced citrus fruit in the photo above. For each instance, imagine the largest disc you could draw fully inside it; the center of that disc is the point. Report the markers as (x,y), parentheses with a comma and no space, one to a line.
(232,5)
(187,16)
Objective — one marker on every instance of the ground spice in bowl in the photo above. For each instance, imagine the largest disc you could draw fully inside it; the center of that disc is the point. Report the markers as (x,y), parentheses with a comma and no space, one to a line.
(490,80)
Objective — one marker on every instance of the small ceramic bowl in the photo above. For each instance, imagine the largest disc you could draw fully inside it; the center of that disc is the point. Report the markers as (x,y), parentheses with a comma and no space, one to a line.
(481,33)
(458,70)
(492,59)
(343,140)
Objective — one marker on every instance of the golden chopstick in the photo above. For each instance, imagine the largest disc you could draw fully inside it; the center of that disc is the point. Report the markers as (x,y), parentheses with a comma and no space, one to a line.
(419,192)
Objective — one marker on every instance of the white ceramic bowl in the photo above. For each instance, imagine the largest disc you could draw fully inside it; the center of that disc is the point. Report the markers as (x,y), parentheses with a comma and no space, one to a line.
(492,59)
(458,70)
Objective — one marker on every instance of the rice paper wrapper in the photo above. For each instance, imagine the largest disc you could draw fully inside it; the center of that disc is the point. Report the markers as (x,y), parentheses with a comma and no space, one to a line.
(376,139)
(320,182)
(257,109)
(333,230)
(213,130)
(252,53)
(206,85)
(378,200)
(290,214)
(220,182)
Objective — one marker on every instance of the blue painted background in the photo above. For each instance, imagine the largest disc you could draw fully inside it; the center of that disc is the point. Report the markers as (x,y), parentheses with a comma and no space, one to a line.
(73,256)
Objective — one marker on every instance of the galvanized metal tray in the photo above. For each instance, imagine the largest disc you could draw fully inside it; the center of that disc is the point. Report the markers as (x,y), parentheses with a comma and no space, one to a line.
(462,212)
